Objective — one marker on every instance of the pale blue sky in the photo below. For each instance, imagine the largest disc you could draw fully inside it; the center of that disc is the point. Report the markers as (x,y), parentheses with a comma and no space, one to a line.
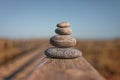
(38,18)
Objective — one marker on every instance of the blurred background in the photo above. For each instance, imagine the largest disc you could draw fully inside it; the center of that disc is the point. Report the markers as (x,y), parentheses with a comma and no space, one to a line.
(26,25)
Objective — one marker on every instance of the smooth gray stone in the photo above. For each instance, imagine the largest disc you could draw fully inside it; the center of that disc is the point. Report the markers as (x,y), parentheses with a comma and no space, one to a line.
(63,31)
(63,24)
(63,41)
(65,53)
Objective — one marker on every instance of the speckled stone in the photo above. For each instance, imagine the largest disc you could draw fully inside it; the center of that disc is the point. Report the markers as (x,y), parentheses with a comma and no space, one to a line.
(63,41)
(63,31)
(63,24)
(65,53)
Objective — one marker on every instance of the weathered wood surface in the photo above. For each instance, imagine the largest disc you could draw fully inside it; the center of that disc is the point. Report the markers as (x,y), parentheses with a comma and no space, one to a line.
(66,69)
(36,66)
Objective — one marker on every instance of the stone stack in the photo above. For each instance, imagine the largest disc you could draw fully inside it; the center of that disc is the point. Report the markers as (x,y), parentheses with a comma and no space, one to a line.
(63,43)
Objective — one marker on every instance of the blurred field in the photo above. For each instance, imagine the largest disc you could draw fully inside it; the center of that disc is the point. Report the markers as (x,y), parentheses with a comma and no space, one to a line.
(10,49)
(104,55)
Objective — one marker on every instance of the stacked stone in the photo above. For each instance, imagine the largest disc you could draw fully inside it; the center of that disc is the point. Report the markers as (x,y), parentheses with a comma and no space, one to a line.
(63,43)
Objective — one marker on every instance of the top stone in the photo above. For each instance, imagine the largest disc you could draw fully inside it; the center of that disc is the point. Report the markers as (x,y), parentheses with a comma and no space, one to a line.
(63,25)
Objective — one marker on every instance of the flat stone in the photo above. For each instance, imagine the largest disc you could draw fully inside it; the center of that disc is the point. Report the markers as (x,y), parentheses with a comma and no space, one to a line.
(63,41)
(65,53)
(63,24)
(63,31)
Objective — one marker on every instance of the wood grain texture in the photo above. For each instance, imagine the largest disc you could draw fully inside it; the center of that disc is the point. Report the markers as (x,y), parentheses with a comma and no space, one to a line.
(66,69)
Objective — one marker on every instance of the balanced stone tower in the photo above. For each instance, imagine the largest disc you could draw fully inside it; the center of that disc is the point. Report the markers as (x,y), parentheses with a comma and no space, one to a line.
(63,43)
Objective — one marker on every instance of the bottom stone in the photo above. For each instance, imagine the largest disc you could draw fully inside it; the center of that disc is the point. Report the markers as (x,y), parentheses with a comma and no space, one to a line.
(67,53)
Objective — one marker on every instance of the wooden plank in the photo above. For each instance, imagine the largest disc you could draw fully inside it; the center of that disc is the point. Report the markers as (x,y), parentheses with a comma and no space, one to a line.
(66,69)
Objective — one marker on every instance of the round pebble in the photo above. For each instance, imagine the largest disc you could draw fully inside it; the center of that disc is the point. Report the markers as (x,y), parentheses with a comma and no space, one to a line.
(63,31)
(63,24)
(65,53)
(63,41)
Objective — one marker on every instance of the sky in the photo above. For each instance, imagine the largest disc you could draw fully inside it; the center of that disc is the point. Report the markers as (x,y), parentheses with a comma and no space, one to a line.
(89,19)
